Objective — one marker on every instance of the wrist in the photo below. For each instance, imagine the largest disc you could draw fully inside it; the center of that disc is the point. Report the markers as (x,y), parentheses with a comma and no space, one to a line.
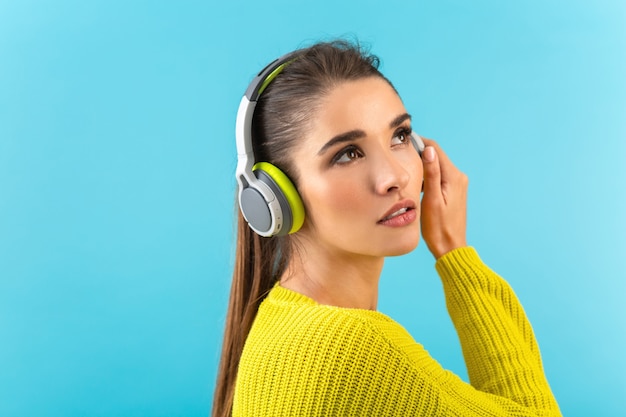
(444,249)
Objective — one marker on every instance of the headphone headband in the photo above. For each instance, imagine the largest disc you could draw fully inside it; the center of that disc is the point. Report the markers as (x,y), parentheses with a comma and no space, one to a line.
(267,74)
(247,106)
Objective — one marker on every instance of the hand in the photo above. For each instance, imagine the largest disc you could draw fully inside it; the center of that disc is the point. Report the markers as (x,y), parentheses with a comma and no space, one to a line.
(444,203)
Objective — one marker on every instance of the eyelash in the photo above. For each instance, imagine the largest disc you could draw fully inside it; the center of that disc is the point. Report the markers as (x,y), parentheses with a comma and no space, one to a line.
(405,131)
(345,151)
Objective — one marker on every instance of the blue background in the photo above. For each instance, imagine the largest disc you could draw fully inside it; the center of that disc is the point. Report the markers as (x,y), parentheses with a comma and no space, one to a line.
(117,158)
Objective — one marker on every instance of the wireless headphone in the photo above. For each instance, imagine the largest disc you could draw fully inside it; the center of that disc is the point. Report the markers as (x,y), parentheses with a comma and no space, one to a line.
(267,198)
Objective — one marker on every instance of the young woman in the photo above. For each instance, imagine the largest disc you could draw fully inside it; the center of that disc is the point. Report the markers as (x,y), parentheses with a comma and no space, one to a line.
(303,337)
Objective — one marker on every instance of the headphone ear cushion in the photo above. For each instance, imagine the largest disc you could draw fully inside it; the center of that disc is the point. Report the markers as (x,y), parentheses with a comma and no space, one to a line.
(290,202)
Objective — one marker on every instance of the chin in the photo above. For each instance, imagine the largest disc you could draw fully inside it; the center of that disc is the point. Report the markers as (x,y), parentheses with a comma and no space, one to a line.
(402,248)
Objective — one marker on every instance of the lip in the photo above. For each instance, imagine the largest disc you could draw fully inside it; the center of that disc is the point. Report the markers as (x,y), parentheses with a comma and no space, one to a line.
(407,217)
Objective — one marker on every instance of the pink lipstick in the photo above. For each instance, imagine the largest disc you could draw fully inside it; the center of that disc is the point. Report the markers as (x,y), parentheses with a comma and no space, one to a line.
(400,214)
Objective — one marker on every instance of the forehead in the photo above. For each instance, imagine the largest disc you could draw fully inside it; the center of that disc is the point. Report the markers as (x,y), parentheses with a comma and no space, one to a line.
(368,104)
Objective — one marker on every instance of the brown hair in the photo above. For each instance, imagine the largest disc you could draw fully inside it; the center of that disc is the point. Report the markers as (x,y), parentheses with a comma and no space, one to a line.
(282,116)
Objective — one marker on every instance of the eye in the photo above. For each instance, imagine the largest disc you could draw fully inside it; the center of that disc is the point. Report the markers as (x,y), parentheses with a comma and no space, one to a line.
(402,136)
(347,154)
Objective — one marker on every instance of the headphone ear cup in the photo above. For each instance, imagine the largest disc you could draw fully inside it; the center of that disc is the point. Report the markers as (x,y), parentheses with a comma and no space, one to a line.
(418,142)
(291,206)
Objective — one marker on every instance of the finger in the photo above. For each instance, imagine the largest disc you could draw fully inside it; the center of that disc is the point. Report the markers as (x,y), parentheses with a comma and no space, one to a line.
(429,142)
(432,173)
(447,168)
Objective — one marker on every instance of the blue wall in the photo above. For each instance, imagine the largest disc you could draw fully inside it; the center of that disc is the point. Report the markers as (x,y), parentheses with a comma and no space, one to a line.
(116,184)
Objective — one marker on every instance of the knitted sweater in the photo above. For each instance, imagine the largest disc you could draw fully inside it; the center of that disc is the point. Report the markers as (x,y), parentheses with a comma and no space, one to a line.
(306,359)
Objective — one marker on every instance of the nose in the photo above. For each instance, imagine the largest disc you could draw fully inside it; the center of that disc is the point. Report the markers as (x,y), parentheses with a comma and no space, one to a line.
(390,174)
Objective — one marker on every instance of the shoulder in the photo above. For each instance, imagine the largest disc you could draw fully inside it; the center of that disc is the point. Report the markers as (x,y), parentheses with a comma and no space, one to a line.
(294,334)
(288,318)
(301,354)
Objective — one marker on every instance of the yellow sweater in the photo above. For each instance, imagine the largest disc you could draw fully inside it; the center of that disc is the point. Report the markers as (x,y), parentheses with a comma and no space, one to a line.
(306,359)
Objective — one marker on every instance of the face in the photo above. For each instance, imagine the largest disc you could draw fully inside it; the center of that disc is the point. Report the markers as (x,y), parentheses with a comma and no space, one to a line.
(359,175)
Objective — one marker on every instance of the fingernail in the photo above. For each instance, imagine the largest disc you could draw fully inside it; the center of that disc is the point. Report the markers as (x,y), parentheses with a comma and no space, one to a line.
(429,154)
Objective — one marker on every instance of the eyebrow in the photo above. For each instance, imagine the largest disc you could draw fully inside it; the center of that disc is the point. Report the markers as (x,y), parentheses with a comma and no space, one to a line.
(358,134)
(399,120)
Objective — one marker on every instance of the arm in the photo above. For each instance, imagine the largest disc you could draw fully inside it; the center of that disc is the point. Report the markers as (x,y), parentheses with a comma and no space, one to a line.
(385,372)
(500,350)
(499,347)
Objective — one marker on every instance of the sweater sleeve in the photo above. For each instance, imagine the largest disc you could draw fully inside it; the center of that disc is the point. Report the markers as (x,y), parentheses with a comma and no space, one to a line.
(500,350)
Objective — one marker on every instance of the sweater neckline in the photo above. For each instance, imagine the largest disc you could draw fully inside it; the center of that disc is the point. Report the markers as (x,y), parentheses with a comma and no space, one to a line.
(285,295)
(282,295)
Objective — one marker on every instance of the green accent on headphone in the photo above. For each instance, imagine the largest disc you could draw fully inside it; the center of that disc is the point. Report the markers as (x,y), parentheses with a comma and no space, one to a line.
(289,191)
(272,75)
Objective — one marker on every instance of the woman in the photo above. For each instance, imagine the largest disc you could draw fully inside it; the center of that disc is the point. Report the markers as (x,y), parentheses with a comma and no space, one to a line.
(303,336)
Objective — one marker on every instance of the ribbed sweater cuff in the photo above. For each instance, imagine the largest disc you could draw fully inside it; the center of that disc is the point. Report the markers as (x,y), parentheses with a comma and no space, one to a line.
(461,270)
(458,262)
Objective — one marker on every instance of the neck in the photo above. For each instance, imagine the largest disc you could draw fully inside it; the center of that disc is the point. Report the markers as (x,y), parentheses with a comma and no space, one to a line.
(331,278)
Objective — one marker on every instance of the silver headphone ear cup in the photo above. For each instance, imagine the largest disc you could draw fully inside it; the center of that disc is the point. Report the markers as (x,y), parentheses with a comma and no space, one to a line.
(418,143)
(284,218)
(255,210)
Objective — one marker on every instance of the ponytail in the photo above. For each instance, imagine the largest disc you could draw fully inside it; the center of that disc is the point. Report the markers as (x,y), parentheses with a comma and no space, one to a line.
(259,262)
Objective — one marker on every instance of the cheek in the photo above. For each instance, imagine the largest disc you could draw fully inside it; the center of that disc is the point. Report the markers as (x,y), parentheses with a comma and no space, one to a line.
(417,166)
(414,165)
(419,172)
(333,198)
(346,196)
